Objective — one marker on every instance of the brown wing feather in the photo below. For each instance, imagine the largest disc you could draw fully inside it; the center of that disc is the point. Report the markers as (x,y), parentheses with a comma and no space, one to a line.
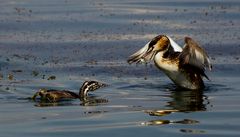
(62,94)
(195,56)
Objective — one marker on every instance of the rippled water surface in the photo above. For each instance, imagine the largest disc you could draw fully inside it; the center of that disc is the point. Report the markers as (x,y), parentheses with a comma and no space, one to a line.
(59,44)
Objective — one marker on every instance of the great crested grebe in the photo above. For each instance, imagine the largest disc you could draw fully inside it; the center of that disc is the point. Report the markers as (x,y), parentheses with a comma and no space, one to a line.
(184,66)
(52,95)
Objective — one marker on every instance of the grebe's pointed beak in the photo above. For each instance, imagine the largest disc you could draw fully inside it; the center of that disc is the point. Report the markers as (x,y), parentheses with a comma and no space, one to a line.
(35,96)
(145,54)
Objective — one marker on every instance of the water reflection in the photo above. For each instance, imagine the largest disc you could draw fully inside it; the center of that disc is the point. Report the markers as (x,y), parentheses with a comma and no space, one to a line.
(92,101)
(52,104)
(163,122)
(181,101)
(160,112)
(86,101)
(192,131)
(187,101)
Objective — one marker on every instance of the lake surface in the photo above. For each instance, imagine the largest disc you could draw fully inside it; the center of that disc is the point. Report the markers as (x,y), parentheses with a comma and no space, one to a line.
(91,40)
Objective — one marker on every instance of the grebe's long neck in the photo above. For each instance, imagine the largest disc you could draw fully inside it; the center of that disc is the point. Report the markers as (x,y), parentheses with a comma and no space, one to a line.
(166,61)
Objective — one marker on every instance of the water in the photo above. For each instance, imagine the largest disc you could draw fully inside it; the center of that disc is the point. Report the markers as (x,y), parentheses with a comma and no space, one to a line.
(91,40)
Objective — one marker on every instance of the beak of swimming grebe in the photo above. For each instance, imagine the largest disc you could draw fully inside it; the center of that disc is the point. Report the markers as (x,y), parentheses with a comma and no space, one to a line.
(145,54)
(35,96)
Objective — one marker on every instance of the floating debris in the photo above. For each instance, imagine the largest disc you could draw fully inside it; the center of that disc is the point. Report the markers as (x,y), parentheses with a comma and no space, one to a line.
(10,76)
(35,73)
(51,78)
(92,62)
(18,70)
(44,118)
(45,62)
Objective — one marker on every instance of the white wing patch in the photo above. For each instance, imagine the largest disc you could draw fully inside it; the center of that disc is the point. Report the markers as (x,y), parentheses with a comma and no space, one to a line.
(141,51)
(198,60)
(199,57)
(175,46)
(140,56)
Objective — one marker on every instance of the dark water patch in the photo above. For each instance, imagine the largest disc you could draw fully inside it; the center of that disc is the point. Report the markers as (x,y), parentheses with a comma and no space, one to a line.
(193,131)
(189,101)
(211,87)
(142,85)
(59,104)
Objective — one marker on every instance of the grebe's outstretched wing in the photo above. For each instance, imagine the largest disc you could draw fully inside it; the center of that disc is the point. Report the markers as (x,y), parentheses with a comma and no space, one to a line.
(194,55)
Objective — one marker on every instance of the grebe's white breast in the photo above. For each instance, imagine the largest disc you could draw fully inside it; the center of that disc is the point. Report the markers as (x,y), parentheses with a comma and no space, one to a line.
(171,68)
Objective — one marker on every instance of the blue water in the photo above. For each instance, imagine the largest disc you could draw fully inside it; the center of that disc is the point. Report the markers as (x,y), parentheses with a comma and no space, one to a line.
(91,40)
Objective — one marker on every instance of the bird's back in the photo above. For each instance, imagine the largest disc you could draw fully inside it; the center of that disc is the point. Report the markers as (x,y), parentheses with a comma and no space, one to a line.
(57,95)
